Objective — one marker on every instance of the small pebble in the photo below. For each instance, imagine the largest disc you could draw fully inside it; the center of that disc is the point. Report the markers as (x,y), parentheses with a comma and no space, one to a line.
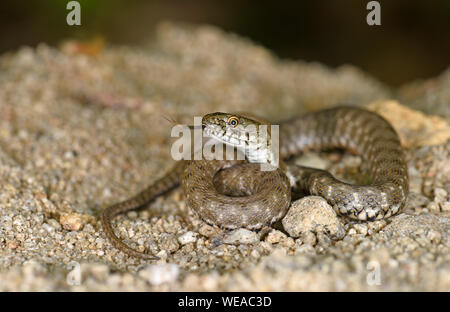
(71,222)
(241,236)
(188,237)
(433,207)
(361,228)
(255,254)
(445,206)
(13,244)
(54,224)
(170,243)
(440,194)
(434,236)
(275,236)
(208,230)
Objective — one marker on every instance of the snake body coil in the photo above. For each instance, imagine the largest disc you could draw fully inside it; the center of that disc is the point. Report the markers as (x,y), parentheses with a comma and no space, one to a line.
(235,194)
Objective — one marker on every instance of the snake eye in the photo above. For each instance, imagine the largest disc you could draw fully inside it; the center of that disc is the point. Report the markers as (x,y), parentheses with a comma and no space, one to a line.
(233,121)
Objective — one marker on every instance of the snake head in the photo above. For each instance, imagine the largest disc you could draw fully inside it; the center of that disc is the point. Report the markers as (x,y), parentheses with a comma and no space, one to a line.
(250,134)
(232,129)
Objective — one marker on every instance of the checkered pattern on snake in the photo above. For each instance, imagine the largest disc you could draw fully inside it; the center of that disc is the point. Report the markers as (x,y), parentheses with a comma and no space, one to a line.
(234,194)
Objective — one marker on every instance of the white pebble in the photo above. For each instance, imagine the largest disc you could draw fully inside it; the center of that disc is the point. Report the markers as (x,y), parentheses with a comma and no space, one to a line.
(188,237)
(445,206)
(241,236)
(440,194)
(54,224)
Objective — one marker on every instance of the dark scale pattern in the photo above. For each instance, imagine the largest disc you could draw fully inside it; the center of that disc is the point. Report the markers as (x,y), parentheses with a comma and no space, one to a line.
(367,134)
(267,194)
(234,194)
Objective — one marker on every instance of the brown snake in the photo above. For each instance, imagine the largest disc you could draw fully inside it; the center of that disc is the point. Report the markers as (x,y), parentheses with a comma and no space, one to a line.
(235,194)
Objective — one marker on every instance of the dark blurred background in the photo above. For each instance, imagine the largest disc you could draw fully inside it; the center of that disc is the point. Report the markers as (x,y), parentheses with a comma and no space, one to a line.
(413,41)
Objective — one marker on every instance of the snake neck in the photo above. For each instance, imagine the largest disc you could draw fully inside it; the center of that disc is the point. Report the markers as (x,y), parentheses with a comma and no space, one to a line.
(262,154)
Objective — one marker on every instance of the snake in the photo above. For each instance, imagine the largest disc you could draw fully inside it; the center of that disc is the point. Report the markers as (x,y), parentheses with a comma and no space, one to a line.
(239,193)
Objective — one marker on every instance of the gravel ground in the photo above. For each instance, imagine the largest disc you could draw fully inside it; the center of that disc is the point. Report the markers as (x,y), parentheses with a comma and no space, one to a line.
(83,127)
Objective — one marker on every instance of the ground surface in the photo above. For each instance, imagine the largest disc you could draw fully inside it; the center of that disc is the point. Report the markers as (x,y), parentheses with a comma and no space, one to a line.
(84,127)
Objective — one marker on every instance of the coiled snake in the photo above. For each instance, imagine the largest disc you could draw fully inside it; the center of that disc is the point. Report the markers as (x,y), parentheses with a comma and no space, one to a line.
(236,193)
